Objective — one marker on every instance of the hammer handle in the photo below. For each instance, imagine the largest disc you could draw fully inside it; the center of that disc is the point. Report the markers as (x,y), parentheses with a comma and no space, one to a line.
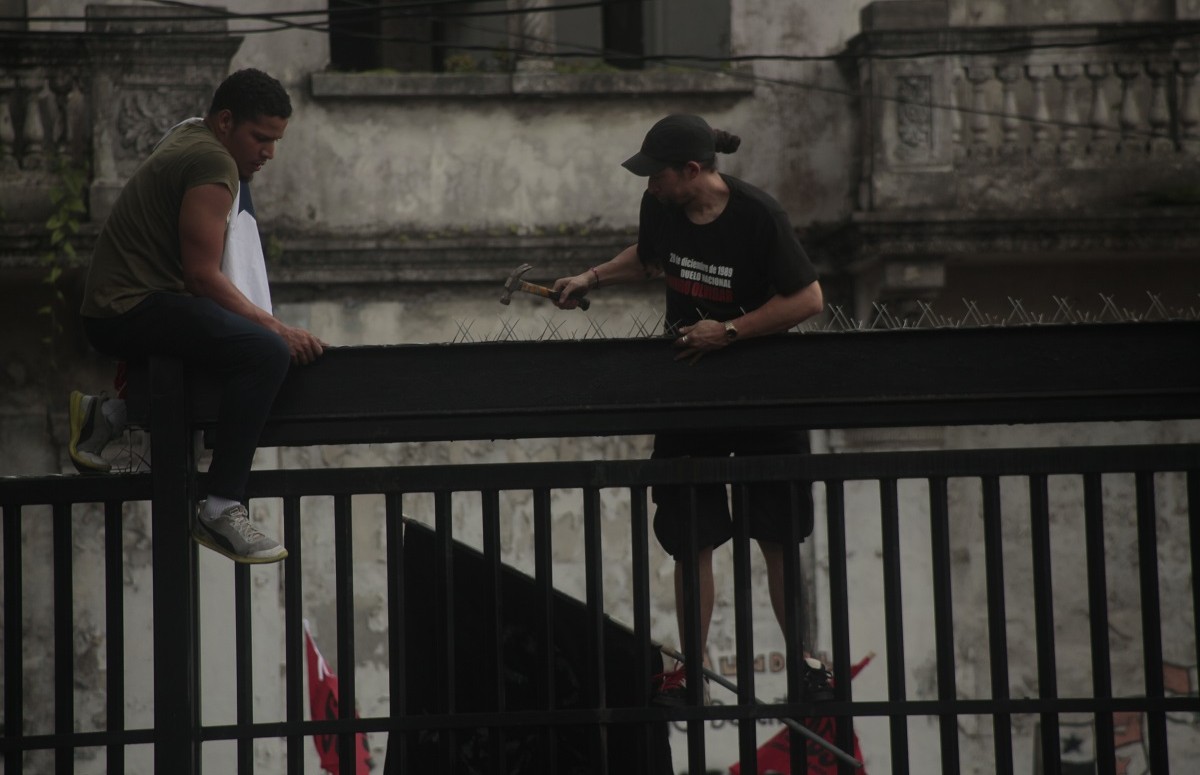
(542,290)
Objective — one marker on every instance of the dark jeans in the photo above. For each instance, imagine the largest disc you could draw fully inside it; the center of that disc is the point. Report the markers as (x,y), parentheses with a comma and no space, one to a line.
(249,361)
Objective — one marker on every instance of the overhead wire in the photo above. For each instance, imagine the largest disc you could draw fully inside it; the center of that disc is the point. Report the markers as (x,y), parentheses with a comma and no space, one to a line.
(283,20)
(593,52)
(403,9)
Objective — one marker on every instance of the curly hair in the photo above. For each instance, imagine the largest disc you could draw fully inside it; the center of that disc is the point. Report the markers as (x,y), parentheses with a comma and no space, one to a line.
(249,94)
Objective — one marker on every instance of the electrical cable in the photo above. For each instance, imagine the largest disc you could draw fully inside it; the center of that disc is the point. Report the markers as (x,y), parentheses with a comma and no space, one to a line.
(281,18)
(686,61)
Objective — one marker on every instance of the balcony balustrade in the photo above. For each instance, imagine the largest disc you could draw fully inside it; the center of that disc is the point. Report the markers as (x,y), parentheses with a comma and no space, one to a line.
(1008,120)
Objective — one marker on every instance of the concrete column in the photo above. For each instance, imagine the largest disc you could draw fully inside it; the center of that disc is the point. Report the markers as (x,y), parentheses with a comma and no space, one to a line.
(533,35)
(143,84)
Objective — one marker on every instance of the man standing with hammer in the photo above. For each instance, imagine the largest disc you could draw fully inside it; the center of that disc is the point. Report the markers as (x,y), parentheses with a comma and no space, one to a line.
(733,270)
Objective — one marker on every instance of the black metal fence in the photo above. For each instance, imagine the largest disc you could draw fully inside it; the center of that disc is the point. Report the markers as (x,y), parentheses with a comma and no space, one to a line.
(466,700)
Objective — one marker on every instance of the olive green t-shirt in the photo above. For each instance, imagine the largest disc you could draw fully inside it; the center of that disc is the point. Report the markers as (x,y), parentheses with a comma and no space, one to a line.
(138,250)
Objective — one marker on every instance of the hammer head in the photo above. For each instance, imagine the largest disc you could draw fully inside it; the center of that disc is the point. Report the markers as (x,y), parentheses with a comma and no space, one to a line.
(513,283)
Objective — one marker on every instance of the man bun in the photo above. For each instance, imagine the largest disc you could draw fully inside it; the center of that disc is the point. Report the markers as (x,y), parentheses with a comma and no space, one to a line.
(725,142)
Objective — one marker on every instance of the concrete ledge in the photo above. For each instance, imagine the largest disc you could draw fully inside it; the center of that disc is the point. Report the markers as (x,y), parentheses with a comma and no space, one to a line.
(381,85)
(390,259)
(904,15)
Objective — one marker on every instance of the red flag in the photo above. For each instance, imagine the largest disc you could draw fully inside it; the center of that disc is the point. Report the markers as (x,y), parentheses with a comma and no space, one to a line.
(323,702)
(775,755)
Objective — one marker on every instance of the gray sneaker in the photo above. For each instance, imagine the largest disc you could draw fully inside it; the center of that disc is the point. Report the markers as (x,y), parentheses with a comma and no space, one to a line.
(232,535)
(89,434)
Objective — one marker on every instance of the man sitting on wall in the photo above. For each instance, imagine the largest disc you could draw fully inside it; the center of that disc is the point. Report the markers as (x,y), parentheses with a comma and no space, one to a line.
(156,287)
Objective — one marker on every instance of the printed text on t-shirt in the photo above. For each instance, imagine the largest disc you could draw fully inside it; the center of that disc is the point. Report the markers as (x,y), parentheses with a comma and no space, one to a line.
(700,280)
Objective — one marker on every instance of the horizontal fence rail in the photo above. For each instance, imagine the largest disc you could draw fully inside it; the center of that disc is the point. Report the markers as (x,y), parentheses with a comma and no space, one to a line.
(903,377)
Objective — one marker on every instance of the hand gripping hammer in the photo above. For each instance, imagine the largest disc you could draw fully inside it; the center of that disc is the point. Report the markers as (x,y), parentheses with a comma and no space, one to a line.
(515,283)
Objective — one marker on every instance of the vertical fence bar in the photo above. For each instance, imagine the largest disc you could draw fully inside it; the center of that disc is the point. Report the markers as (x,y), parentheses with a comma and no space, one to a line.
(243,647)
(943,619)
(543,558)
(397,652)
(493,627)
(1093,512)
(743,603)
(114,627)
(993,548)
(14,679)
(1043,605)
(693,642)
(839,613)
(64,641)
(293,630)
(445,700)
(176,698)
(640,557)
(1156,719)
(893,621)
(1193,491)
(594,582)
(343,551)
(796,638)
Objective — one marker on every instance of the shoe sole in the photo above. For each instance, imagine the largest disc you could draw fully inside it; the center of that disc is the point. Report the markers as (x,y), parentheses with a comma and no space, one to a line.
(204,540)
(82,464)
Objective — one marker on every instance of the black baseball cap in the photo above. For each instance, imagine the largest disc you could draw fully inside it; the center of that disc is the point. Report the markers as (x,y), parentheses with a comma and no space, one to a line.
(674,140)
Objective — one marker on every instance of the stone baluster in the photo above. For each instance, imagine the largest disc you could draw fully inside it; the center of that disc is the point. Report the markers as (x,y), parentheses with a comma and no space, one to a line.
(1066,75)
(1189,106)
(33,130)
(1010,120)
(1101,142)
(1132,139)
(1160,111)
(8,135)
(980,120)
(956,118)
(62,82)
(1041,146)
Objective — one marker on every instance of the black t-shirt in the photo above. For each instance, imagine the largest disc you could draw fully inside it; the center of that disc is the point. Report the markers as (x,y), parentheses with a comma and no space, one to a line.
(722,269)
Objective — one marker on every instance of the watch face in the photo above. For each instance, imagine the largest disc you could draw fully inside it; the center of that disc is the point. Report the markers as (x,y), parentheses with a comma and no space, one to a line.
(730,331)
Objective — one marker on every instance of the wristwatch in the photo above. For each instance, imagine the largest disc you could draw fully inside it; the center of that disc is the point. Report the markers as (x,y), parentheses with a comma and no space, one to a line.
(730,330)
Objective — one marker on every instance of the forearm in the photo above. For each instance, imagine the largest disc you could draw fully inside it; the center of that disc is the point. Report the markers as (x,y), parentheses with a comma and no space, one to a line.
(781,313)
(623,268)
(219,288)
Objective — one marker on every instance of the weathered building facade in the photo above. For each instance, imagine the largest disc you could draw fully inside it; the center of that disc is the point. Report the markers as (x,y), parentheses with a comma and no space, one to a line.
(1035,159)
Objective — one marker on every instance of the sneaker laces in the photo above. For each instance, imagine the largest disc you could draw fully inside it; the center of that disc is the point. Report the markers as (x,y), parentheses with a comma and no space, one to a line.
(239,520)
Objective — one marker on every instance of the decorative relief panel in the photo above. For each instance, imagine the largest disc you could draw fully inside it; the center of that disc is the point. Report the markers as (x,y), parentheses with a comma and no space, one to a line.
(914,118)
(144,115)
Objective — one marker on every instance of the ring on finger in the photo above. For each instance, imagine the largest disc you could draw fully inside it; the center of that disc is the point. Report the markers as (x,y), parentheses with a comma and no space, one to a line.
(685,339)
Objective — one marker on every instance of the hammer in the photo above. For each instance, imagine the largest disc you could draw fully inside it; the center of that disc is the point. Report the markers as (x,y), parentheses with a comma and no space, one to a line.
(515,283)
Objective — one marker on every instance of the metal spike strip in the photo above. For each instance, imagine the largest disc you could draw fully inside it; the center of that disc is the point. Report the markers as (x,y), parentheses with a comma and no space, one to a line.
(652,323)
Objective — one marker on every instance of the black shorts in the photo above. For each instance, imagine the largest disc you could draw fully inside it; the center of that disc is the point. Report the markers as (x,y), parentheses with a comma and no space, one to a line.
(770,503)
